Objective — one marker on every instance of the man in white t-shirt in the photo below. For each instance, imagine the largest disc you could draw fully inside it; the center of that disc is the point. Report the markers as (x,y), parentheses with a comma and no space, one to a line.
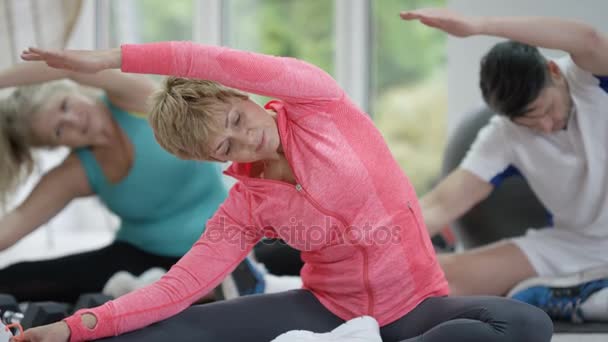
(552,128)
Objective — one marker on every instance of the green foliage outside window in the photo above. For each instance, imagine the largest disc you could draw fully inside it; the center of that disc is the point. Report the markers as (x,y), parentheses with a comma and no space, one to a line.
(409,89)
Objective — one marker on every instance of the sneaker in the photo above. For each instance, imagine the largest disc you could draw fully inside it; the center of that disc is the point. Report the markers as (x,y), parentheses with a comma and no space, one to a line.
(245,280)
(577,297)
(360,329)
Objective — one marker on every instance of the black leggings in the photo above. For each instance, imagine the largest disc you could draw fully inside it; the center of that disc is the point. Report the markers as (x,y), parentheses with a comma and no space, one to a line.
(64,279)
(264,317)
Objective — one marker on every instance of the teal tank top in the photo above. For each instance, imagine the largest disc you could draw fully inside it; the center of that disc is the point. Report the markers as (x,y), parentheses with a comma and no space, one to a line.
(164,202)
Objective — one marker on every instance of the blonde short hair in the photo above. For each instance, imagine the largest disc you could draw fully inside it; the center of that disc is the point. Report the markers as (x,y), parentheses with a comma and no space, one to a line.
(183,115)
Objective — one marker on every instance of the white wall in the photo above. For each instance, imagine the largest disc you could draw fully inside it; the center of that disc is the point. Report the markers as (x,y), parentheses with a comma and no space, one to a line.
(464,54)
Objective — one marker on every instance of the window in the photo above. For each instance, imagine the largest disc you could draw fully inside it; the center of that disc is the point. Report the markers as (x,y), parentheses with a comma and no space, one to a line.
(143,21)
(294,28)
(409,89)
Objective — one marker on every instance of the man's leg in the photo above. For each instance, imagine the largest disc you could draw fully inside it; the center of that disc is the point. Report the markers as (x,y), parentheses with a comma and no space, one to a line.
(488,270)
(563,272)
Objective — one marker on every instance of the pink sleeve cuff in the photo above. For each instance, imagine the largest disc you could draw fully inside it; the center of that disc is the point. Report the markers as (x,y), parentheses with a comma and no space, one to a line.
(79,332)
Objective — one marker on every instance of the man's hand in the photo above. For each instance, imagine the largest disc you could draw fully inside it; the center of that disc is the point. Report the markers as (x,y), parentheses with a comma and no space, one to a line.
(445,20)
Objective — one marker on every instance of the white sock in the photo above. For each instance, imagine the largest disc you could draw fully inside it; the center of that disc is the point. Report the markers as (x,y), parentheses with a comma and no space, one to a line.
(229,289)
(276,284)
(595,308)
(150,276)
(121,283)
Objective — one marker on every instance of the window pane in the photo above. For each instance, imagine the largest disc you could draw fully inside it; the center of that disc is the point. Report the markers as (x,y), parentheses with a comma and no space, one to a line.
(142,21)
(409,89)
(294,28)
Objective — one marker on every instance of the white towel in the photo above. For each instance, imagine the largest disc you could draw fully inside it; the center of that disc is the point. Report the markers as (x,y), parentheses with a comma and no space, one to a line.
(360,329)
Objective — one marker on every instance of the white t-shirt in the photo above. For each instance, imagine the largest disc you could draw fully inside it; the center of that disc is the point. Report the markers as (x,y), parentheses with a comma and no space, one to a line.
(568,169)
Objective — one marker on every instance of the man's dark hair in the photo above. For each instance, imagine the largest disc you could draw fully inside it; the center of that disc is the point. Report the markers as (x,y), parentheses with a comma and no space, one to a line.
(512,76)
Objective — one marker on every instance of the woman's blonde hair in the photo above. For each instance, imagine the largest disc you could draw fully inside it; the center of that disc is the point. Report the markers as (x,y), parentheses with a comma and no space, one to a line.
(16,136)
(183,114)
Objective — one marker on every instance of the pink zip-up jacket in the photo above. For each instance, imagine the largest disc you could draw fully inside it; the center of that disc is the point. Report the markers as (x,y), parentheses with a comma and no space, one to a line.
(353,213)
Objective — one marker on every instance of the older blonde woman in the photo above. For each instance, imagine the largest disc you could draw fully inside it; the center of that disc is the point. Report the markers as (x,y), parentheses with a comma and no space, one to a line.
(163,202)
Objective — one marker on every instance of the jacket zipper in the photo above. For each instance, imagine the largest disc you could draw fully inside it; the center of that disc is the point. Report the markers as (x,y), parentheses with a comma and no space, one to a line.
(366,282)
(419,227)
(298,187)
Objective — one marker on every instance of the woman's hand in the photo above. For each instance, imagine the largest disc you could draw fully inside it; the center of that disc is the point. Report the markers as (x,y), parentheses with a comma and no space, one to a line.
(56,332)
(445,20)
(87,61)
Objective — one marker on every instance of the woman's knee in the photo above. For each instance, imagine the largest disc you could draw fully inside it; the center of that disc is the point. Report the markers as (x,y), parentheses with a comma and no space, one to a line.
(527,323)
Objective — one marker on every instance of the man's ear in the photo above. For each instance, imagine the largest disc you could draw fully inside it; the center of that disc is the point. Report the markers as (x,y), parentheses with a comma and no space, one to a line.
(554,70)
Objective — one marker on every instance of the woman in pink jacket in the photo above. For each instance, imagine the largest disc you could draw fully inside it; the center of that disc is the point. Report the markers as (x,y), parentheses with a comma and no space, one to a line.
(313,170)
